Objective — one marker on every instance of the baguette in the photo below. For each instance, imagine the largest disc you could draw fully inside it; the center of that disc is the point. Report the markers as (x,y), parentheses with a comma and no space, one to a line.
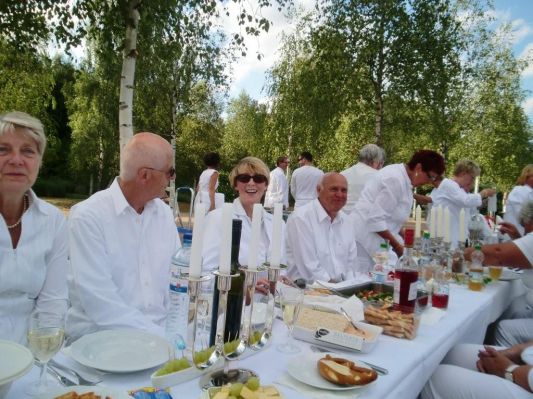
(344,372)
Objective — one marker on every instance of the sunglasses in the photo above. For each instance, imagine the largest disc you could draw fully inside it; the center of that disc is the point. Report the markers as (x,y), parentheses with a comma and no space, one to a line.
(171,173)
(256,178)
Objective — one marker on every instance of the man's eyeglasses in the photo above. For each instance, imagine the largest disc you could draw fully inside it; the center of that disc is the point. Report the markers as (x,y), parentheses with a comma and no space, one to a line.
(244,178)
(171,173)
(431,178)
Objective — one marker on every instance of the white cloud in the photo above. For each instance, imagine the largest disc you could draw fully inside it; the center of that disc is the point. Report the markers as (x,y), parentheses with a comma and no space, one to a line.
(248,72)
(527,53)
(528,106)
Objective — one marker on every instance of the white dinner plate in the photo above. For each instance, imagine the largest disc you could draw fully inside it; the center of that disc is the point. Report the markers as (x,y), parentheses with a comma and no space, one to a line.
(101,391)
(120,351)
(304,369)
(527,355)
(17,360)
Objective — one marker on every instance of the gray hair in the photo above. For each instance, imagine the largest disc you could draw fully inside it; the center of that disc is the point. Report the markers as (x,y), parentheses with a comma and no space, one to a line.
(31,127)
(371,153)
(526,213)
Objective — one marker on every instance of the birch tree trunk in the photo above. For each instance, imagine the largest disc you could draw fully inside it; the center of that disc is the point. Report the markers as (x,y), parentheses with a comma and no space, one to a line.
(127,76)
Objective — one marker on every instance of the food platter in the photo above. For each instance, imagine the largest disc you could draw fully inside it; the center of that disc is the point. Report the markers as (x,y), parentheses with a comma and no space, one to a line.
(79,389)
(120,351)
(304,369)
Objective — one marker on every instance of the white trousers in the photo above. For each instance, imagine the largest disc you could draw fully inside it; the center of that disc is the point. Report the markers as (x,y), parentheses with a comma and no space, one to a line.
(512,332)
(459,379)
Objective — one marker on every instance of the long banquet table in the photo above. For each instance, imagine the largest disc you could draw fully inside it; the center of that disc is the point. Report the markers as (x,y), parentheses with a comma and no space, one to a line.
(410,363)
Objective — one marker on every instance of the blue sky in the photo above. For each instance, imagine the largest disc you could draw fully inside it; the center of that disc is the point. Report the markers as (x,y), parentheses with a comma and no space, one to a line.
(249,73)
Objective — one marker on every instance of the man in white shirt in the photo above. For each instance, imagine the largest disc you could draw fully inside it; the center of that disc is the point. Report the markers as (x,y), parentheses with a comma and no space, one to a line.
(121,243)
(371,159)
(320,237)
(278,188)
(304,180)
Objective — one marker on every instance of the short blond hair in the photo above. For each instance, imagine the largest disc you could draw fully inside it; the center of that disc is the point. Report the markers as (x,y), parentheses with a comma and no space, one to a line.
(31,127)
(467,166)
(526,172)
(250,165)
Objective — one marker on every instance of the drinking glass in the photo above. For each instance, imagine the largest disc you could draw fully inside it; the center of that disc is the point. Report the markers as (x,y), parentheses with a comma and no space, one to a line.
(291,299)
(46,333)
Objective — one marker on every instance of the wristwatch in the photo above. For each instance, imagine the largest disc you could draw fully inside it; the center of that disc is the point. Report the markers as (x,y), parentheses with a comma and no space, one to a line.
(509,372)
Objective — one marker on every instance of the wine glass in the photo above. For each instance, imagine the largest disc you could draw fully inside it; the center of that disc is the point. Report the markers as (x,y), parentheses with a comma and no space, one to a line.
(291,299)
(46,334)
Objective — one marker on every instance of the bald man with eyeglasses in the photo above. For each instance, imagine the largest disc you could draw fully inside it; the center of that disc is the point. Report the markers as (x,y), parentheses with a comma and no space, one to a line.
(121,243)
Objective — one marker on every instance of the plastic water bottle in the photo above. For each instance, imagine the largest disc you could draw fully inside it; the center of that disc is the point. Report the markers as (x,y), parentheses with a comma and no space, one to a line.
(177,319)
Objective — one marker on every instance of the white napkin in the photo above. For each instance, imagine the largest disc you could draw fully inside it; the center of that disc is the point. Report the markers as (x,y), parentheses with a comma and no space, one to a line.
(310,392)
(360,278)
(354,307)
(431,316)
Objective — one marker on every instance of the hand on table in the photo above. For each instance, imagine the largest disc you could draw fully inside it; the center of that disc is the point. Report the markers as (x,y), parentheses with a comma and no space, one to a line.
(493,362)
(263,285)
(510,229)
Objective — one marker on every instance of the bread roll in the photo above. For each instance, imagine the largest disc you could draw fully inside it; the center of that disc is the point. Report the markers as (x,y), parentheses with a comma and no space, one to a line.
(344,372)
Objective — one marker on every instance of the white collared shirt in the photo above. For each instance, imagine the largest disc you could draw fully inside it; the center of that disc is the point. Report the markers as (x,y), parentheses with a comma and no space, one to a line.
(278,189)
(356,176)
(119,264)
(34,273)
(213,231)
(450,195)
(384,204)
(517,197)
(319,248)
(304,182)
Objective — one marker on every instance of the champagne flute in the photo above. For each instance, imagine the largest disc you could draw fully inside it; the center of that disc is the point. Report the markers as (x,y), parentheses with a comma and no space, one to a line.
(46,334)
(291,299)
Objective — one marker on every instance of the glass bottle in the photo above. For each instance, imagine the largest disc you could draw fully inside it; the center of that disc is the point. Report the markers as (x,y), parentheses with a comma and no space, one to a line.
(458,263)
(235,295)
(406,276)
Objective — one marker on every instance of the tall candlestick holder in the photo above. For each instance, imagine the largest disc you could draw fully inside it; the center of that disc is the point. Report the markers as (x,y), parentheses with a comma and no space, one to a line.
(198,351)
(232,349)
(259,339)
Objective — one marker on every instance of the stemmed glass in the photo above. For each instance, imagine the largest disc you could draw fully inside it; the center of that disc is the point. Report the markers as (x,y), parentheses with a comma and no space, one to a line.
(46,334)
(291,299)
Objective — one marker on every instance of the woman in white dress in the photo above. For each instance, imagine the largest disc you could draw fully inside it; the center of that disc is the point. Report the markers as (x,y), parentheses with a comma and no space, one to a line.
(520,193)
(386,201)
(208,183)
(454,194)
(250,179)
(33,234)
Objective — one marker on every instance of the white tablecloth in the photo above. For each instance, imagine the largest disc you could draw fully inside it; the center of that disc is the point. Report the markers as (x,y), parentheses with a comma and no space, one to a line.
(410,363)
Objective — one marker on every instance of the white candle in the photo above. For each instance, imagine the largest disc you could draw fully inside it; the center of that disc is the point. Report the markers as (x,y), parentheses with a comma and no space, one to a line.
(418,222)
(224,262)
(447,225)
(440,222)
(476,185)
(433,226)
(195,267)
(492,204)
(462,225)
(275,256)
(257,216)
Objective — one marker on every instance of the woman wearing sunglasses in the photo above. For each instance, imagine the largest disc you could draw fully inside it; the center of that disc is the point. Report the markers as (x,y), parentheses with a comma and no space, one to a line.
(250,180)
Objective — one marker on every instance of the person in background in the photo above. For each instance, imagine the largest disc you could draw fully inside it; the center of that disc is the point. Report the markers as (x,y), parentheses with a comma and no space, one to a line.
(33,265)
(278,188)
(428,199)
(386,202)
(371,159)
(520,193)
(249,178)
(455,195)
(121,243)
(321,238)
(304,180)
(208,183)
(474,371)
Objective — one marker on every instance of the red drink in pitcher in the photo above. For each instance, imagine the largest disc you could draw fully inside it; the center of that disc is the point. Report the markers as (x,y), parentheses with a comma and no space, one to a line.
(406,277)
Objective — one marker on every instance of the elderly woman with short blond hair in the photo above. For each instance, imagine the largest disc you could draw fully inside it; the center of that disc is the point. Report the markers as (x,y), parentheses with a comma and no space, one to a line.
(33,235)
(249,178)
(520,194)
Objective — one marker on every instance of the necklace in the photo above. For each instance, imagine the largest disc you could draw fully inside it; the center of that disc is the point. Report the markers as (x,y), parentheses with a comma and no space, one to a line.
(24,209)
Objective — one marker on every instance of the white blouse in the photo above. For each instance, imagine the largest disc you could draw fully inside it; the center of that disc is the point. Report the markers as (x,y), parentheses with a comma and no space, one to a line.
(33,274)
(213,231)
(517,197)
(384,204)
